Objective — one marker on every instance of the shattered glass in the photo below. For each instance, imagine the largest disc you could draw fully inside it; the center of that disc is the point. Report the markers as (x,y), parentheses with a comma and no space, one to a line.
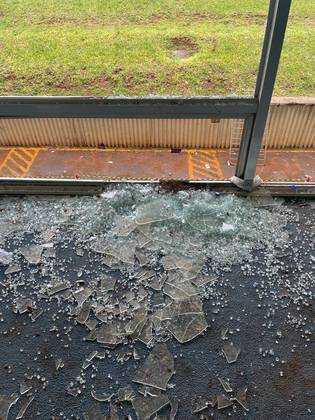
(5,257)
(32,253)
(184,319)
(145,407)
(125,394)
(157,369)
(14,268)
(241,398)
(6,402)
(231,352)
(223,402)
(25,387)
(107,283)
(94,412)
(159,256)
(101,397)
(24,407)
(199,405)
(22,305)
(226,386)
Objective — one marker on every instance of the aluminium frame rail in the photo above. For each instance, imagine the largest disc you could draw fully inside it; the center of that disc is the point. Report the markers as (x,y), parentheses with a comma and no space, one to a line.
(254,110)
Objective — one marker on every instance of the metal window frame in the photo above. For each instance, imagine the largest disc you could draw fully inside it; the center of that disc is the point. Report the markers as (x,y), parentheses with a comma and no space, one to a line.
(253,109)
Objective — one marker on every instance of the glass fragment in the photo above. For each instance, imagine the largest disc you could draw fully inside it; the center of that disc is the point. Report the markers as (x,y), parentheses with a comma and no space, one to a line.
(101,397)
(145,407)
(231,352)
(223,402)
(13,268)
(82,295)
(6,402)
(157,369)
(5,257)
(24,387)
(226,386)
(24,407)
(241,398)
(32,253)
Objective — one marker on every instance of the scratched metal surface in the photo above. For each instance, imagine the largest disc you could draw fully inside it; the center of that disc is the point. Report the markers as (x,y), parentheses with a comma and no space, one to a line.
(270,395)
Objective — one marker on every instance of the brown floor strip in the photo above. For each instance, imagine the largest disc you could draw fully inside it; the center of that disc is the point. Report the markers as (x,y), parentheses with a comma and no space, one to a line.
(296,166)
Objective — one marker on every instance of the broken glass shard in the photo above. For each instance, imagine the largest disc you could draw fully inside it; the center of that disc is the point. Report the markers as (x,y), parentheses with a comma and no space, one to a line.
(91,335)
(137,322)
(14,268)
(120,250)
(5,257)
(101,397)
(59,364)
(199,405)
(91,324)
(111,333)
(184,319)
(141,257)
(50,253)
(124,226)
(107,283)
(157,369)
(223,402)
(147,390)
(91,356)
(175,288)
(174,409)
(73,391)
(22,305)
(57,288)
(241,398)
(226,386)
(231,352)
(155,211)
(156,282)
(125,394)
(24,407)
(6,402)
(24,387)
(145,407)
(213,401)
(32,253)
(146,335)
(89,360)
(94,412)
(189,267)
(113,412)
(201,281)
(36,313)
(82,295)
(224,332)
(84,313)
(111,262)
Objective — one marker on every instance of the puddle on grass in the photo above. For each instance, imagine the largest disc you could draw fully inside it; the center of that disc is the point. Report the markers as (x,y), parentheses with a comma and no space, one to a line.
(160,255)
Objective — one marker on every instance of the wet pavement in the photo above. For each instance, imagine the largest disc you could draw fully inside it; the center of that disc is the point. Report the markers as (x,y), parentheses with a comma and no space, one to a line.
(254,356)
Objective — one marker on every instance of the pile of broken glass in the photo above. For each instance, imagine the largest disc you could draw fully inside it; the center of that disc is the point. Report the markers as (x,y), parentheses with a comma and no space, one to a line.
(159,254)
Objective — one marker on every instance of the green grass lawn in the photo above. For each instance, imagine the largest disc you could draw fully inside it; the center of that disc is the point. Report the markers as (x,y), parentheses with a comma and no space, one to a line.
(120,47)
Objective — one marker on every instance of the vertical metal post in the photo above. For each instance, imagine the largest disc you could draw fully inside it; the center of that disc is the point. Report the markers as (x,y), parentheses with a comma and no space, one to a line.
(254,126)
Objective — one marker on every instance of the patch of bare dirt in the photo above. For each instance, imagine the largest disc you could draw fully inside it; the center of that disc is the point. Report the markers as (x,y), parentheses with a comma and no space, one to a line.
(102,81)
(217,82)
(184,42)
